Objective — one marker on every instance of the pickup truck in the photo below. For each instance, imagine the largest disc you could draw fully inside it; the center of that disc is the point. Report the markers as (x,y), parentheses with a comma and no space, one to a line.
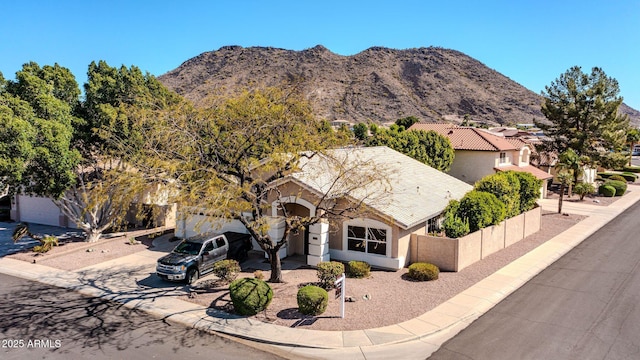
(194,257)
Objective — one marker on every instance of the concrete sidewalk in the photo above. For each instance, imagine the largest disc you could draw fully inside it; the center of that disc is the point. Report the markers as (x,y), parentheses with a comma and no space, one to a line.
(131,280)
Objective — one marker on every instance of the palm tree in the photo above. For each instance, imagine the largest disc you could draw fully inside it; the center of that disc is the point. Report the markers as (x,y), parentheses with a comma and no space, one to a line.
(570,162)
(633,137)
(566,179)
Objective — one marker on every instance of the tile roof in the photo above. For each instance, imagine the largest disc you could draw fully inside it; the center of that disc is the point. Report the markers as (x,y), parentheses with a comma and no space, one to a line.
(530,169)
(468,138)
(413,194)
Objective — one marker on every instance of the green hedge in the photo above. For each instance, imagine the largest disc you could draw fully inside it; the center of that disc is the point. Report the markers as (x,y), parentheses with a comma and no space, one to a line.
(226,270)
(631,169)
(358,269)
(607,190)
(626,176)
(422,271)
(328,272)
(312,300)
(481,209)
(250,295)
(620,186)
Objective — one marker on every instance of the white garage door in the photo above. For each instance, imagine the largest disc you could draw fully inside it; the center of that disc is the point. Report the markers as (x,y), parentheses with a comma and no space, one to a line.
(38,210)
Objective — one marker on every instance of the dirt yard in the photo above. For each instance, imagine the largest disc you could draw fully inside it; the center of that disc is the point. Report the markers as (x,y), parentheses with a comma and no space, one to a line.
(385,298)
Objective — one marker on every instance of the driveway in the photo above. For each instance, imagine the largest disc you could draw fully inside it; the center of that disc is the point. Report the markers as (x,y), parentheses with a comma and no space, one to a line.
(8,247)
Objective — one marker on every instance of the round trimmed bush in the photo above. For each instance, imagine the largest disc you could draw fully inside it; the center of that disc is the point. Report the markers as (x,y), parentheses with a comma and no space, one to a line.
(607,191)
(620,186)
(328,272)
(226,270)
(312,300)
(359,269)
(250,295)
(617,178)
(422,271)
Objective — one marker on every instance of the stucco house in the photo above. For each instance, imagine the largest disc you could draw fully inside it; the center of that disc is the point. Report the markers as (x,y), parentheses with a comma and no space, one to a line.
(412,203)
(479,153)
(42,210)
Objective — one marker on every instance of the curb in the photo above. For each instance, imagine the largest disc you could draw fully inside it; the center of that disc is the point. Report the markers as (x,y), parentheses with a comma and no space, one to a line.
(529,267)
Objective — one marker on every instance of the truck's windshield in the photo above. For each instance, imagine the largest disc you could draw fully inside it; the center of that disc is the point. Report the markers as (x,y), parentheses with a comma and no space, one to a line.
(190,248)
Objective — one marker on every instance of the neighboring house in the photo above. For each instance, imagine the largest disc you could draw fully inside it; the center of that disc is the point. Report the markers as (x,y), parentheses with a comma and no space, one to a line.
(479,153)
(412,204)
(42,210)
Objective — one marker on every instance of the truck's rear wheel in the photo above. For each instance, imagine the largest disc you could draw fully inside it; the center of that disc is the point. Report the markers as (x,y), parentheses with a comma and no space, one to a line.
(192,276)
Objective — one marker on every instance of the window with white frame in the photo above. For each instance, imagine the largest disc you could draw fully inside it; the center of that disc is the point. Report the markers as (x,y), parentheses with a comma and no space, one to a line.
(503,158)
(434,224)
(367,239)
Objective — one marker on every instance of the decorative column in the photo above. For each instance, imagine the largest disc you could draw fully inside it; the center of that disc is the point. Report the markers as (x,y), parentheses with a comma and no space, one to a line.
(318,243)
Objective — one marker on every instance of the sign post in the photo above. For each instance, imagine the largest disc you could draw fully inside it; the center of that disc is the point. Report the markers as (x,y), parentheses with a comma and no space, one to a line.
(339,283)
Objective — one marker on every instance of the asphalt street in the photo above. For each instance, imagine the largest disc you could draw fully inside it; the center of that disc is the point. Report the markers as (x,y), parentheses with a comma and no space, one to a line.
(40,321)
(7,246)
(584,306)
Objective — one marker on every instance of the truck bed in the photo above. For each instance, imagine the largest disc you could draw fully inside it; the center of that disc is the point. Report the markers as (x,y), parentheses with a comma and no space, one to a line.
(236,236)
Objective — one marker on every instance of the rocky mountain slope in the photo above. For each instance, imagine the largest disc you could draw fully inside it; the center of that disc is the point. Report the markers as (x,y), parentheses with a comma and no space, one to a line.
(378,84)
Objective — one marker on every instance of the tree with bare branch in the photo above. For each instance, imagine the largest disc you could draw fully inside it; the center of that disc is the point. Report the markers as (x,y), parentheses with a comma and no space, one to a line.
(232,159)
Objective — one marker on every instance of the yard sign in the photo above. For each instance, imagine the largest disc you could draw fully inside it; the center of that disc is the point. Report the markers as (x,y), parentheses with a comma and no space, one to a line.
(340,293)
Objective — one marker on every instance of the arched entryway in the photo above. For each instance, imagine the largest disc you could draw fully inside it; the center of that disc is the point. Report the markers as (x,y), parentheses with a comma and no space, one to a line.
(298,238)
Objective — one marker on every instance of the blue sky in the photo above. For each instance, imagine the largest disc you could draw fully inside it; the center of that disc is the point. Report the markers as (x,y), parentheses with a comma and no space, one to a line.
(531,42)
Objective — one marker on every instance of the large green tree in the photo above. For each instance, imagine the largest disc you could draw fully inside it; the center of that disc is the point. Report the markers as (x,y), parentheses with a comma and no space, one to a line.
(230,160)
(428,147)
(37,129)
(60,147)
(582,114)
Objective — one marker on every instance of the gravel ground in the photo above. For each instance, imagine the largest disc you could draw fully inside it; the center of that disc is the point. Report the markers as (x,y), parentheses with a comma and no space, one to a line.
(385,298)
(74,253)
(392,297)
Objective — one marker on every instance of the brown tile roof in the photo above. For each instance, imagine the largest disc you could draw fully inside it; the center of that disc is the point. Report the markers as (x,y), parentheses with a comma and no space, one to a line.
(517,142)
(530,169)
(468,138)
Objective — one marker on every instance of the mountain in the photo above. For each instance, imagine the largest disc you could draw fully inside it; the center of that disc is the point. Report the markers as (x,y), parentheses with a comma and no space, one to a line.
(378,84)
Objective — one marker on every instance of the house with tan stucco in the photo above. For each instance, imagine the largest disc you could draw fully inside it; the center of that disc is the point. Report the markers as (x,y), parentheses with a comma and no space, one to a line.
(410,200)
(479,153)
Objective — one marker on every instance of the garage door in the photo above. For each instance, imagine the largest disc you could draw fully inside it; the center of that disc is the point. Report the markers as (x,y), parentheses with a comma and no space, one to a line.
(38,210)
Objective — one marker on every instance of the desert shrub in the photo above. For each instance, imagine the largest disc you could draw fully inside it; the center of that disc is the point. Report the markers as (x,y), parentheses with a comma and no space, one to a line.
(312,300)
(455,227)
(506,187)
(250,295)
(328,272)
(422,271)
(620,186)
(529,190)
(617,177)
(46,244)
(358,269)
(481,209)
(258,274)
(583,189)
(607,190)
(226,270)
